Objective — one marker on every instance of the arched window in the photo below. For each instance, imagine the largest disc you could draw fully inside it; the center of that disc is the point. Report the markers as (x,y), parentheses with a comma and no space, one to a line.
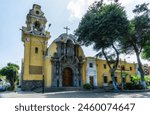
(36,50)
(37,26)
(91,65)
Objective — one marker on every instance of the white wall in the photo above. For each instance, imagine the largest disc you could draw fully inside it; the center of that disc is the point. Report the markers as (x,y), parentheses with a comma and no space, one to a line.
(91,71)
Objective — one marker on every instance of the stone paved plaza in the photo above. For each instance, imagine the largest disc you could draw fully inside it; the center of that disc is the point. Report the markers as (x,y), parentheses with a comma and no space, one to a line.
(74,94)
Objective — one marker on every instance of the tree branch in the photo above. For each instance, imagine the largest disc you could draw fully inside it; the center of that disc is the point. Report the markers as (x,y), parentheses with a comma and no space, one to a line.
(117,59)
(106,58)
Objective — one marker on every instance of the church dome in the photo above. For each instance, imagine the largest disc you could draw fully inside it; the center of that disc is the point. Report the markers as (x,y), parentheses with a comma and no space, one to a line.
(65,37)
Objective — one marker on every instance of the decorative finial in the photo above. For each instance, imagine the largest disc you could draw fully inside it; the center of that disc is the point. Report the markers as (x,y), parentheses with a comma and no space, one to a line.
(49,25)
(67,29)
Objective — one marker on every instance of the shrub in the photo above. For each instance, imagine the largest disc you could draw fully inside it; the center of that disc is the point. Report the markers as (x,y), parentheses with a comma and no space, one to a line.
(87,86)
(135,79)
(147,79)
(133,86)
(11,88)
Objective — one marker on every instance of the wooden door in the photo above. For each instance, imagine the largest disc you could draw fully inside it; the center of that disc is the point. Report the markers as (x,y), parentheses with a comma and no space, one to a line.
(67,77)
(91,80)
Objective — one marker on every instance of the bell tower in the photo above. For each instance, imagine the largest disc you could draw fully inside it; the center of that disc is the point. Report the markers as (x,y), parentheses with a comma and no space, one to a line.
(35,39)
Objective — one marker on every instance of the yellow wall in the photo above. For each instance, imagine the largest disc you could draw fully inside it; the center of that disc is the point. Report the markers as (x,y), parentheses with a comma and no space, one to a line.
(101,71)
(52,49)
(81,53)
(26,60)
(127,69)
(84,71)
(48,72)
(30,57)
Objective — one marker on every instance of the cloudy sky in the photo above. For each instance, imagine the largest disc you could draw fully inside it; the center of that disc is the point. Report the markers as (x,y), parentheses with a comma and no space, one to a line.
(59,13)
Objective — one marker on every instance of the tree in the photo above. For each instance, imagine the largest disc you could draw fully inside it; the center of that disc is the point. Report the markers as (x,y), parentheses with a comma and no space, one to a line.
(103,25)
(11,73)
(138,35)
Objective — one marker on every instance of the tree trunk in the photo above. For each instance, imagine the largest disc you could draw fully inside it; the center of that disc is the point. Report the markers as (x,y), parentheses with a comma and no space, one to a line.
(115,84)
(112,70)
(141,70)
(12,83)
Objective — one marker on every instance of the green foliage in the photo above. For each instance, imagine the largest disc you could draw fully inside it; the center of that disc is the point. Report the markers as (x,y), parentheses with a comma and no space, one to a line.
(135,84)
(143,8)
(87,86)
(125,74)
(138,31)
(135,79)
(138,36)
(132,86)
(1,76)
(11,73)
(147,79)
(103,25)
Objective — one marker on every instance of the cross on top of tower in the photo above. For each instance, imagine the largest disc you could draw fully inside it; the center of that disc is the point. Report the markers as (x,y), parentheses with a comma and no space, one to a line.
(67,29)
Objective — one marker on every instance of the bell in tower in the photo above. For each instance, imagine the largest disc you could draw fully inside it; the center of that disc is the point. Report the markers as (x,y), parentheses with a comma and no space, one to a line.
(35,21)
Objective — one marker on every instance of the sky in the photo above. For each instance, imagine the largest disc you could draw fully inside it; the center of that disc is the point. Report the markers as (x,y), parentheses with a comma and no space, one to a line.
(59,13)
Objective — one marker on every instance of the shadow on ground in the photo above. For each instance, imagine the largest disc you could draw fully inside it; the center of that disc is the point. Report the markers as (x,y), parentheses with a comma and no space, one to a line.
(98,95)
(75,94)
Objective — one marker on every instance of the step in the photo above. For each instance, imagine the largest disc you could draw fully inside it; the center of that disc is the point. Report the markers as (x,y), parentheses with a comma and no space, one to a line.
(58,89)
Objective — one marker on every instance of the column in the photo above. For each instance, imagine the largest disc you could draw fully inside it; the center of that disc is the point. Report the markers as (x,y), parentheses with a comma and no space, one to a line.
(60,74)
(80,74)
(53,74)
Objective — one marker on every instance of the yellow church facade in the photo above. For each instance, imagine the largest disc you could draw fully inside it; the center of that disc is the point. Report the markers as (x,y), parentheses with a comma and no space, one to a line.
(63,63)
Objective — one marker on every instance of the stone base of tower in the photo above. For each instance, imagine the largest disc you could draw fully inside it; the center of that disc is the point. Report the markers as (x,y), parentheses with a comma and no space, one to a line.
(29,85)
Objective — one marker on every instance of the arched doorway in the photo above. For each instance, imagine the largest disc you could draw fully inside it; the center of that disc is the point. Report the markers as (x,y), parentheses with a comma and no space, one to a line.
(67,77)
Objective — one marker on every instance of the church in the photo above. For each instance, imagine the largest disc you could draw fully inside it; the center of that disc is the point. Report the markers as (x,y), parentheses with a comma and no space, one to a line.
(63,63)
